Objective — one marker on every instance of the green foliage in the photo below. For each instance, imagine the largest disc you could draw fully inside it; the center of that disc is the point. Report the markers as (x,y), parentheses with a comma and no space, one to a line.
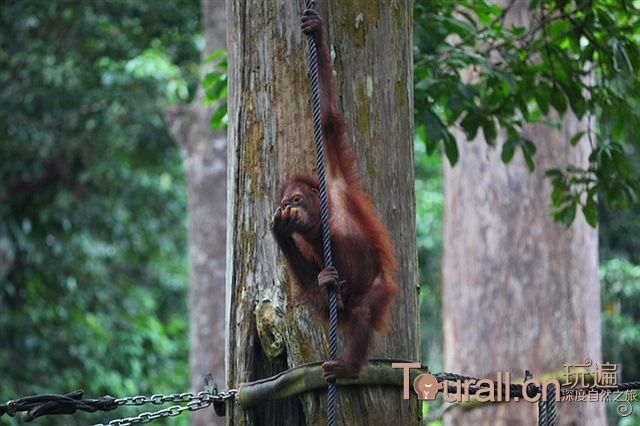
(621,320)
(620,234)
(476,72)
(92,201)
(215,89)
(582,56)
(621,324)
(429,203)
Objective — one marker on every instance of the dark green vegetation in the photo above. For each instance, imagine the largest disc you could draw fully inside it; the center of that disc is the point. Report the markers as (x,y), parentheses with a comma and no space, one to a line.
(92,194)
(93,268)
(581,56)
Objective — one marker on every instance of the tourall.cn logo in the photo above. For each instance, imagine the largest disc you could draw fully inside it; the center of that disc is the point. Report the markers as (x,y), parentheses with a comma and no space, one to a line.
(586,382)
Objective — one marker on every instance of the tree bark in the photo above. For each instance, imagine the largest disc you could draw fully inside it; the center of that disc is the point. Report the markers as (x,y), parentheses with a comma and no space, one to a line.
(204,153)
(520,292)
(270,137)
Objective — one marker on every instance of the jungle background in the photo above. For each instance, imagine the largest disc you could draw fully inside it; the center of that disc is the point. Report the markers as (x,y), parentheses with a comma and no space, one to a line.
(93,198)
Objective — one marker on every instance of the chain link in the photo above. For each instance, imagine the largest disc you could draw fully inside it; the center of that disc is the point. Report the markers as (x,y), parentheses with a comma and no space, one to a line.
(194,403)
(156,399)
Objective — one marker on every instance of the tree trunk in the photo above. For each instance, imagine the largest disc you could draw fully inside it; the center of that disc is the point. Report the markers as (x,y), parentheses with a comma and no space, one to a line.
(205,161)
(520,292)
(270,137)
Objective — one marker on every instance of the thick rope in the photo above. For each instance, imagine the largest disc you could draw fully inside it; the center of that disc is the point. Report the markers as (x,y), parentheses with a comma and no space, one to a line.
(324,216)
(547,409)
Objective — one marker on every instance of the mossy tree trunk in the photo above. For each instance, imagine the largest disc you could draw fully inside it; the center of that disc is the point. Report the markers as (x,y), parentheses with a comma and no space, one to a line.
(270,137)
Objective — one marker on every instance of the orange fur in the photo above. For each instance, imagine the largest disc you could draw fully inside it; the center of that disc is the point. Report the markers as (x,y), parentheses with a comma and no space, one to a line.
(362,251)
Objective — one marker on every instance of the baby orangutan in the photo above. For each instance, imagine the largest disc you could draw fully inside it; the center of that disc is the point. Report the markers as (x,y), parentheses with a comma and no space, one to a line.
(362,251)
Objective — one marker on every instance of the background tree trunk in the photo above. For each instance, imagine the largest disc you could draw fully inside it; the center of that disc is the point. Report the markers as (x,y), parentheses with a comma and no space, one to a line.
(270,137)
(520,292)
(205,161)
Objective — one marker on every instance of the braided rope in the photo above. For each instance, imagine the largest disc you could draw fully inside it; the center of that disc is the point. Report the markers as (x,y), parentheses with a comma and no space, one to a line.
(547,409)
(543,412)
(324,216)
(551,404)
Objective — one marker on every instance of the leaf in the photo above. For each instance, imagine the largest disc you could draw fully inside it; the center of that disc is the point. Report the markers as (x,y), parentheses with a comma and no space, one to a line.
(529,146)
(590,211)
(558,100)
(553,173)
(455,104)
(215,86)
(576,138)
(566,215)
(576,100)
(425,84)
(528,159)
(433,126)
(557,195)
(470,124)
(451,149)
(459,27)
(528,151)
(542,99)
(468,91)
(490,132)
(215,55)
(508,149)
(219,117)
(211,78)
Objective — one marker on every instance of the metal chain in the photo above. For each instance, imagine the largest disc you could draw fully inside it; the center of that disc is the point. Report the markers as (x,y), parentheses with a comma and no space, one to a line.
(194,403)
(157,399)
